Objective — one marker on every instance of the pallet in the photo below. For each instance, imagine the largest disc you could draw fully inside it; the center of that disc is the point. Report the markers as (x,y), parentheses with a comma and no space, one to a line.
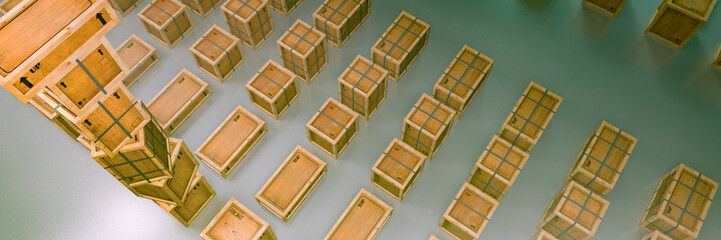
(198,197)
(217,53)
(608,7)
(168,21)
(676,21)
(333,127)
(303,50)
(427,125)
(178,100)
(400,45)
(363,86)
(530,117)
(202,7)
(174,190)
(339,19)
(462,79)
(655,235)
(235,221)
(468,214)
(249,20)
(273,89)
(284,7)
(543,235)
(497,168)
(363,219)
(123,7)
(7,5)
(138,56)
(397,169)
(574,214)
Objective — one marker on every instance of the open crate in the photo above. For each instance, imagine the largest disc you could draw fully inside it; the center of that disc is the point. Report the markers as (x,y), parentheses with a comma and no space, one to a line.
(174,104)
(609,7)
(339,19)
(363,86)
(332,128)
(400,44)
(273,89)
(468,214)
(138,56)
(173,190)
(249,20)
(217,53)
(365,216)
(284,7)
(397,169)
(497,168)
(574,214)
(123,7)
(198,197)
(427,125)
(530,117)
(202,7)
(676,21)
(235,221)
(168,21)
(462,79)
(303,50)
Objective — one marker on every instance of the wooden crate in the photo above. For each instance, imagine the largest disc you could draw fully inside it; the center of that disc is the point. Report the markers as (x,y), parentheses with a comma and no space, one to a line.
(530,117)
(609,7)
(339,19)
(231,141)
(273,89)
(543,235)
(655,235)
(138,56)
(46,105)
(497,168)
(284,7)
(462,79)
(31,54)
(217,53)
(574,214)
(600,163)
(123,7)
(249,20)
(168,21)
(7,5)
(174,104)
(468,214)
(333,127)
(363,86)
(303,50)
(288,187)
(676,21)
(235,221)
(363,219)
(198,197)
(202,7)
(400,44)
(680,204)
(174,190)
(397,169)
(427,125)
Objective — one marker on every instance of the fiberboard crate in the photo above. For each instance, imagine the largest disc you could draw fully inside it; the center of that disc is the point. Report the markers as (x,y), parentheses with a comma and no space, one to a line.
(173,190)
(284,7)
(462,79)
(427,125)
(676,21)
(273,89)
(655,235)
(680,204)
(7,5)
(174,104)
(168,21)
(333,127)
(248,20)
(339,19)
(574,214)
(610,7)
(217,53)
(362,219)
(303,50)
(497,168)
(288,187)
(397,169)
(123,7)
(400,45)
(235,221)
(138,56)
(202,7)
(543,235)
(530,117)
(363,86)
(197,198)
(468,214)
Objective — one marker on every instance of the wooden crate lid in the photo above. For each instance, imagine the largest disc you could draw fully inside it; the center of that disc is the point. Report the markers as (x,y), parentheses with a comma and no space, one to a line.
(430,115)
(271,80)
(234,221)
(686,187)
(608,149)
(581,207)
(702,8)
(365,216)
(333,119)
(337,12)
(537,105)
(465,72)
(214,43)
(363,74)
(133,50)
(160,12)
(655,235)
(227,140)
(503,158)
(301,37)
(472,208)
(401,36)
(244,9)
(177,94)
(400,161)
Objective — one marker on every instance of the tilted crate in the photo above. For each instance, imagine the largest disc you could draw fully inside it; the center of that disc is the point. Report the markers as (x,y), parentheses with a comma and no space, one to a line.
(168,21)
(217,53)
(363,86)
(574,214)
(365,216)
(400,44)
(284,7)
(530,117)
(123,7)
(427,125)
(497,168)
(138,56)
(676,21)
(303,50)
(249,20)
(339,19)
(543,235)
(655,235)
(610,7)
(462,79)
(202,7)
(273,89)
(397,169)
(7,5)
(235,221)
(332,128)
(173,190)
(468,214)
(198,197)
(174,104)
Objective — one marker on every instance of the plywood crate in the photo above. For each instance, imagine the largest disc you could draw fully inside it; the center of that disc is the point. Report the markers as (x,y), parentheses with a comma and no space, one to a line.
(363,219)
(339,19)
(303,50)
(138,56)
(168,21)
(7,5)
(174,190)
(574,214)
(610,7)
(273,89)
(231,141)
(400,44)
(198,197)
(497,168)
(46,105)
(235,221)
(530,117)
(679,206)
(543,235)
(217,53)
(468,214)
(397,169)
(202,7)
(284,7)
(174,104)
(427,125)
(288,187)
(332,128)
(249,20)
(676,21)
(123,7)
(462,79)
(363,86)
(655,235)
(30,53)
(600,163)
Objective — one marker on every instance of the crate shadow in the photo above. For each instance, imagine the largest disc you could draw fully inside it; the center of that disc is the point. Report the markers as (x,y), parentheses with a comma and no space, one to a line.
(591,22)
(651,52)
(706,83)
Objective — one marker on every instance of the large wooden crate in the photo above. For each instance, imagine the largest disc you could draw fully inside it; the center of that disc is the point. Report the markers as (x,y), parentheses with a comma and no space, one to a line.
(400,44)
(198,197)
(303,50)
(397,169)
(202,7)
(543,235)
(680,204)
(333,127)
(610,7)
(462,79)
(217,53)
(7,5)
(273,89)
(174,104)
(138,56)
(123,7)
(530,117)
(676,21)
(655,235)
(363,219)
(363,86)
(339,19)
(288,187)
(574,214)
(249,20)
(427,125)
(497,168)
(284,7)
(168,21)
(468,214)
(173,190)
(235,221)
(231,141)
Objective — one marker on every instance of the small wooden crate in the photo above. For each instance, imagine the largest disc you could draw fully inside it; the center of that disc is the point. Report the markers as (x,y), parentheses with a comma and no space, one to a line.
(365,216)
(284,7)
(173,105)
(217,53)
(600,163)
(123,7)
(468,214)
(231,141)
(235,221)
(574,214)
(249,20)
(530,117)
(303,50)
(609,7)
(427,125)
(655,235)
(680,204)
(333,127)
(397,169)
(138,56)
(363,86)
(543,235)
(296,177)
(400,45)
(462,79)
(174,190)
(168,21)
(198,197)
(497,168)
(676,21)
(7,5)
(273,89)
(202,7)
(339,19)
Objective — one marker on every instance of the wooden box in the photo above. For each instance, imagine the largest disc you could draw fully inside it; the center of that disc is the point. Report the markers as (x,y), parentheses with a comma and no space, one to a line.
(400,45)
(231,141)
(138,56)
(497,168)
(676,21)
(202,7)
(363,86)
(332,128)
(427,124)
(45,104)
(543,235)
(198,197)
(363,219)
(462,79)
(468,214)
(235,221)
(273,89)
(600,163)
(339,19)
(123,7)
(530,117)
(295,178)
(655,235)
(173,190)
(7,5)
(303,50)
(574,214)
(217,53)
(174,104)
(397,169)
(680,204)
(610,7)
(284,7)
(249,20)
(168,21)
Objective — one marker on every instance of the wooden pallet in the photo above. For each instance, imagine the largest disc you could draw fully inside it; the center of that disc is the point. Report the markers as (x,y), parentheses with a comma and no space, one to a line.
(249,20)
(217,53)
(400,45)
(462,79)
(178,100)
(363,86)
(235,221)
(273,89)
(168,21)
(332,128)
(339,19)
(397,169)
(427,125)
(138,56)
(363,219)
(303,50)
